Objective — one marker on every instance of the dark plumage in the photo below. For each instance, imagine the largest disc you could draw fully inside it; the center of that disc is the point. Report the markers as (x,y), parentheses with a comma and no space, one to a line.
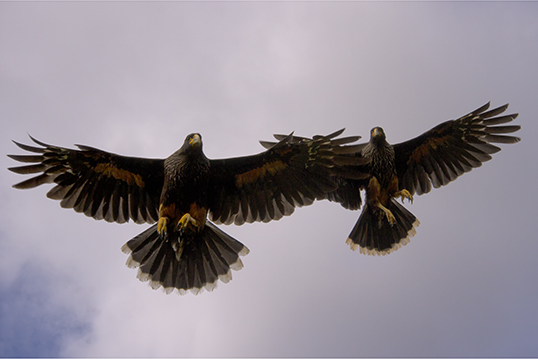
(183,250)
(384,225)
(434,158)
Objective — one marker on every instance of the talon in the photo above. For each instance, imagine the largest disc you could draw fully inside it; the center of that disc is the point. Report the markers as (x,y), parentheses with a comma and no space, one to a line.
(185,221)
(162,226)
(390,217)
(403,194)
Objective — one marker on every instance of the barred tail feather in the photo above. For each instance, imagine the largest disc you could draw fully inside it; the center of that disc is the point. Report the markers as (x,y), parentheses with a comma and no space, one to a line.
(207,256)
(376,236)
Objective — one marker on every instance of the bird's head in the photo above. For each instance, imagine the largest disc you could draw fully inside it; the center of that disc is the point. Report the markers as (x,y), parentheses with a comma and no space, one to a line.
(377,135)
(193,142)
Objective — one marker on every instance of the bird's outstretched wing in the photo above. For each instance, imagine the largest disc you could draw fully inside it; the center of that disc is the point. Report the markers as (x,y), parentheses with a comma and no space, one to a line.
(291,173)
(99,184)
(347,193)
(452,148)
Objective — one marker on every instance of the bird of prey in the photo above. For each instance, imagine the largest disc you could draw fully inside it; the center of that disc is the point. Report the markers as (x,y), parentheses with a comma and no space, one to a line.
(435,158)
(183,250)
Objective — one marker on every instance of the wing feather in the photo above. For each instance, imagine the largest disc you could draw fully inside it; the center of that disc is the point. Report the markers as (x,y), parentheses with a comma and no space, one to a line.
(454,147)
(99,184)
(293,172)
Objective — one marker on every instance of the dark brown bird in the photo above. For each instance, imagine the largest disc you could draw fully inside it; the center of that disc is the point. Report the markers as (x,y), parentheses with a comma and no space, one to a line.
(184,250)
(398,171)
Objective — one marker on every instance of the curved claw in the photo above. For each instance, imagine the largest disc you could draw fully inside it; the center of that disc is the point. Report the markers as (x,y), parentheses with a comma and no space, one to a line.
(390,217)
(162,227)
(187,220)
(403,194)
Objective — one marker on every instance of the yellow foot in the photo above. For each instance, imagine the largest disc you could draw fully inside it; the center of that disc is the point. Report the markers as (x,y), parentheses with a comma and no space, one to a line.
(404,194)
(162,226)
(185,221)
(388,214)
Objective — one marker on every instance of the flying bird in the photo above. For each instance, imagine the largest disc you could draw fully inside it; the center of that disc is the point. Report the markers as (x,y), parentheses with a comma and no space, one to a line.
(184,250)
(435,158)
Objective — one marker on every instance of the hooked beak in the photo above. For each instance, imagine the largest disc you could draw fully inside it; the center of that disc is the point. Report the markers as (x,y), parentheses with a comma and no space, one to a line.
(196,140)
(377,132)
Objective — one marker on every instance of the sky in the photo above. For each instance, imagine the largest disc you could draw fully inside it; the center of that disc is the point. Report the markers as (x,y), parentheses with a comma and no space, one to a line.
(135,78)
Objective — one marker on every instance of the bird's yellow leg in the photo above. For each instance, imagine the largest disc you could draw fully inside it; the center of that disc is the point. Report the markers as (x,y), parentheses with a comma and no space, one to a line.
(404,194)
(186,220)
(388,213)
(162,226)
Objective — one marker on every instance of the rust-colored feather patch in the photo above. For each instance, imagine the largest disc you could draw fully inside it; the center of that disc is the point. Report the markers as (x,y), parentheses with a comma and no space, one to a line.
(252,176)
(424,150)
(111,171)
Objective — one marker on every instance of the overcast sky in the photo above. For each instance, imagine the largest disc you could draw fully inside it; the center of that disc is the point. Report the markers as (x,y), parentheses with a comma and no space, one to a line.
(136,77)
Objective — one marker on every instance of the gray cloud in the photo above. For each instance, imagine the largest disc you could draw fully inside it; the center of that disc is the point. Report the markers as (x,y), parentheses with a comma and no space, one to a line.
(136,78)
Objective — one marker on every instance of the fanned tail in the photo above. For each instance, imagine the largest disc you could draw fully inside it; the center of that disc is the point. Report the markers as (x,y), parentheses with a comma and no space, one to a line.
(374,235)
(206,257)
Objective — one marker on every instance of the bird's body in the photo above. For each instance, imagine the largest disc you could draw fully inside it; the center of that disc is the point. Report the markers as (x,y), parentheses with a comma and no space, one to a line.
(383,181)
(186,193)
(180,251)
(436,158)
(384,224)
(183,249)
(399,171)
